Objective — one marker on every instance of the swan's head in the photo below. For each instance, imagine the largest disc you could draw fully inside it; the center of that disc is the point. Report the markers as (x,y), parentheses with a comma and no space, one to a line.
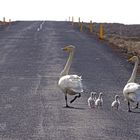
(117,97)
(69,48)
(133,59)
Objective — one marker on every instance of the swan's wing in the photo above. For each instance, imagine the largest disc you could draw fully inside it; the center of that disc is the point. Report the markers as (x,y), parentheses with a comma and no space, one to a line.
(71,82)
(132,90)
(131,87)
(75,83)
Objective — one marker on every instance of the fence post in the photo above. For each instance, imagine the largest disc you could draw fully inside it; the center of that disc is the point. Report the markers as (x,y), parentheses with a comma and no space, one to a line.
(90,27)
(101,31)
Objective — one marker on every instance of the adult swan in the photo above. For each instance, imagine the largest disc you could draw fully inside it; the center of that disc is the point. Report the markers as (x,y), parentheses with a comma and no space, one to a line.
(70,84)
(131,90)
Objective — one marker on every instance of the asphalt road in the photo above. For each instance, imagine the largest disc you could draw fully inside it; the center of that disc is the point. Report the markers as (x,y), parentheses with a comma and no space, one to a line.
(31,104)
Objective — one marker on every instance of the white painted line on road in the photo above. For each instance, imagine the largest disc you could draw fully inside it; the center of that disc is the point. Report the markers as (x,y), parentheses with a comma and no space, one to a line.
(8,106)
(40,26)
(39,81)
(2,126)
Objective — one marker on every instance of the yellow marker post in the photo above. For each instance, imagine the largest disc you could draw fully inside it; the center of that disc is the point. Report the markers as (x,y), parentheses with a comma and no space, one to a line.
(101,31)
(81,27)
(90,27)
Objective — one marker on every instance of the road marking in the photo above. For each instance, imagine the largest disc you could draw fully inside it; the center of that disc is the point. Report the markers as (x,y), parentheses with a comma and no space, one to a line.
(38,84)
(2,126)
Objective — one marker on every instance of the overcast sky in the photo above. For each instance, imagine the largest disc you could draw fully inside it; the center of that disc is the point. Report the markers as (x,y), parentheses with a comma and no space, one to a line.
(121,11)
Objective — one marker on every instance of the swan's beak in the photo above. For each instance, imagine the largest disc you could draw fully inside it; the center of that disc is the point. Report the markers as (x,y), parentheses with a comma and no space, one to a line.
(130,59)
(65,49)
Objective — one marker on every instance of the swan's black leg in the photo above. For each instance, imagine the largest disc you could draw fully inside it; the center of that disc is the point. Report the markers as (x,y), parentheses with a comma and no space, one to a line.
(129,110)
(66,100)
(77,96)
(137,105)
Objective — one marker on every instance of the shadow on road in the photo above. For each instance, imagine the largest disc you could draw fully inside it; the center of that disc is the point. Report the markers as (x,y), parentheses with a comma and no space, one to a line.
(71,107)
(137,112)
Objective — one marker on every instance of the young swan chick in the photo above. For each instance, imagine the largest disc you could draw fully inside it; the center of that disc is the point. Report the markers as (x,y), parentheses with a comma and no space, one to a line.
(116,103)
(92,99)
(99,101)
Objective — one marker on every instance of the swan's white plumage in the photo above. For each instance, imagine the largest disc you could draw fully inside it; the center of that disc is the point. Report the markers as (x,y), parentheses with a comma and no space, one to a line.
(131,92)
(71,83)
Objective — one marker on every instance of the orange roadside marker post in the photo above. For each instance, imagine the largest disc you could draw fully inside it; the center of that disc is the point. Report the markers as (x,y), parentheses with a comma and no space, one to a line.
(90,27)
(101,31)
(81,27)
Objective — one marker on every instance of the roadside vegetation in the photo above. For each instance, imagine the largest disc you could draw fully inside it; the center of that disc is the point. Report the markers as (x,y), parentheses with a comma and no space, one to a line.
(126,38)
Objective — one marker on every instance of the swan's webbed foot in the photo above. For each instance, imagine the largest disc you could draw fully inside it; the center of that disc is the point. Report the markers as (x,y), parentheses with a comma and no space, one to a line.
(67,106)
(78,96)
(129,110)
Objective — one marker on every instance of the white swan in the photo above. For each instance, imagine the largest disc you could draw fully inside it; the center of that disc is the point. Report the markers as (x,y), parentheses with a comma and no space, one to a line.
(99,101)
(70,84)
(92,99)
(116,103)
(131,90)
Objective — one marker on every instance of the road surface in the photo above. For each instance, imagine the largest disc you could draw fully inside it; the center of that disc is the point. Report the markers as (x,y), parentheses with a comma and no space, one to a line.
(31,104)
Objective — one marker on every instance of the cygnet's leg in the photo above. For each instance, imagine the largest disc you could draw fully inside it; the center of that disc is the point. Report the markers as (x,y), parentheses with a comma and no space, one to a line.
(77,96)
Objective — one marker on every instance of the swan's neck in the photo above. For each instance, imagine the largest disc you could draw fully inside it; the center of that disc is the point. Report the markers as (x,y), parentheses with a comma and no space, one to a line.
(133,75)
(68,64)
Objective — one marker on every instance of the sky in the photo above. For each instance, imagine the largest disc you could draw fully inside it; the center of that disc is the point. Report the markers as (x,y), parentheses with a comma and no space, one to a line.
(111,11)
